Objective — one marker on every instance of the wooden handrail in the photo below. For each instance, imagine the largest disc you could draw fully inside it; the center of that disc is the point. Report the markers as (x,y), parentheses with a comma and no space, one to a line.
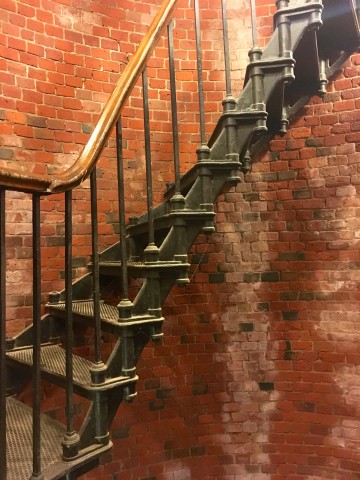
(14,179)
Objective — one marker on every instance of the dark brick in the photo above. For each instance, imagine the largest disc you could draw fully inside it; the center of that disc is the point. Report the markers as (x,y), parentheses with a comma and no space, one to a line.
(270,277)
(313,142)
(54,241)
(197,451)
(157,404)
(251,197)
(6,153)
(269,177)
(266,386)
(204,318)
(39,122)
(288,353)
(324,214)
(180,453)
(151,383)
(289,175)
(79,262)
(2,115)
(246,327)
(198,258)
(216,277)
(200,389)
(305,406)
(262,307)
(290,315)
(251,277)
(299,194)
(285,296)
(251,216)
(306,296)
(86,128)
(164,393)
(184,339)
(292,256)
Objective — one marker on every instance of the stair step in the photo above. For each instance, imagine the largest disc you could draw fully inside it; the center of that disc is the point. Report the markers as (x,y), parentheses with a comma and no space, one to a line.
(19,446)
(138,269)
(53,362)
(83,311)
(19,440)
(53,368)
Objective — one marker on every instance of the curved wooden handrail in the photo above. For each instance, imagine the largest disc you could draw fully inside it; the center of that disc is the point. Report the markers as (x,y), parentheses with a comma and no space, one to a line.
(14,179)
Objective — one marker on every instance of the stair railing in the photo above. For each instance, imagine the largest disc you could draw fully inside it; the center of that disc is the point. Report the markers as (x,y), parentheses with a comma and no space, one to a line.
(85,166)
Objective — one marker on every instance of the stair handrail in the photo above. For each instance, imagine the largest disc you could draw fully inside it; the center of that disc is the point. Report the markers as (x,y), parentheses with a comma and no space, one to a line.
(17,179)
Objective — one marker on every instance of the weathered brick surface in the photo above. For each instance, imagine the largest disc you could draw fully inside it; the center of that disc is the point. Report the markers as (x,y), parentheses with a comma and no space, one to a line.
(257,377)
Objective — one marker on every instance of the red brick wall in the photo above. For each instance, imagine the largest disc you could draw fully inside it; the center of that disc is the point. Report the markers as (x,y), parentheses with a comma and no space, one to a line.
(257,377)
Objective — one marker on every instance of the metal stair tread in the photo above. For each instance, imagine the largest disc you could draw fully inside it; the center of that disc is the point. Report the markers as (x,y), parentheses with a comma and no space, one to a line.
(53,361)
(86,308)
(19,440)
(108,313)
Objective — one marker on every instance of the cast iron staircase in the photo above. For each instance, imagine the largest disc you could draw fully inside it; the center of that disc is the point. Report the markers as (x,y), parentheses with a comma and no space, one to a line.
(304,51)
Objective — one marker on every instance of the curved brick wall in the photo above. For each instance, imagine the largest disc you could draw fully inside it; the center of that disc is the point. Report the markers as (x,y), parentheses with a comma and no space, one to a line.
(257,377)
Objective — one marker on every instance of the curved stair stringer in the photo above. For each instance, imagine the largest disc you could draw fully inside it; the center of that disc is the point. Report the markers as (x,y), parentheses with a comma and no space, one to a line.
(276,72)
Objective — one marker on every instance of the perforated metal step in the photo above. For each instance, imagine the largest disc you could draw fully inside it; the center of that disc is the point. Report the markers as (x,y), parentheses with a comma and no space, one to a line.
(19,446)
(53,362)
(83,310)
(19,440)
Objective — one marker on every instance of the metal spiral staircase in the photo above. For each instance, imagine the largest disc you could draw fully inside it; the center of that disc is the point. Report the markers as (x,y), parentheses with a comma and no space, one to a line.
(311,41)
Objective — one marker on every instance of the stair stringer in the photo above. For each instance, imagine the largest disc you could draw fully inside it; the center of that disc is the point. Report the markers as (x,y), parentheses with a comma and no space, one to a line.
(277,71)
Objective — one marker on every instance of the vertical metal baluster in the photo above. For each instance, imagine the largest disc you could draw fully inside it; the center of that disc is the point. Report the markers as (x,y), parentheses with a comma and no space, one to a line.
(151,251)
(199,72)
(256,75)
(36,474)
(174,112)
(226,47)
(95,261)
(150,207)
(3,462)
(125,306)
(121,199)
(96,280)
(177,201)
(253,24)
(98,369)
(203,152)
(229,102)
(71,440)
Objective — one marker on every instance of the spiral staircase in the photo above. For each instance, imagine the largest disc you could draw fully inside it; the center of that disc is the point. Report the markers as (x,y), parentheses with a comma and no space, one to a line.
(312,39)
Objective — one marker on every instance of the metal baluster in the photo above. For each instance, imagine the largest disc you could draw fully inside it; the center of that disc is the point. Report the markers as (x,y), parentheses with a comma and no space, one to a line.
(174,113)
(98,368)
(71,440)
(3,462)
(36,474)
(121,199)
(253,24)
(96,280)
(125,306)
(177,201)
(229,102)
(151,251)
(283,24)
(203,152)
(199,72)
(226,47)
(150,207)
